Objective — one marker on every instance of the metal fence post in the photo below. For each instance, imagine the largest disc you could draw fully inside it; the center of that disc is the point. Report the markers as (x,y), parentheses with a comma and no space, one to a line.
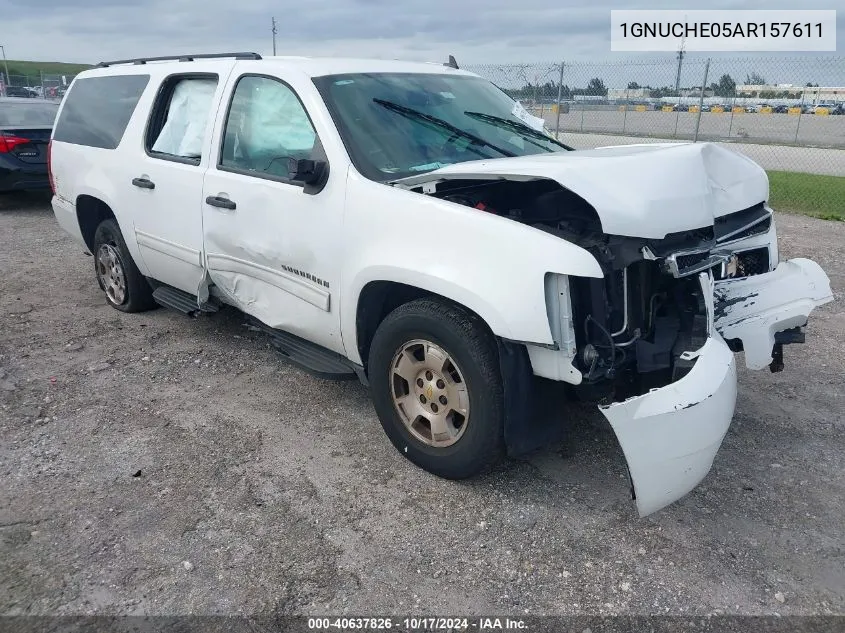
(733,105)
(678,109)
(625,113)
(559,95)
(701,100)
(800,112)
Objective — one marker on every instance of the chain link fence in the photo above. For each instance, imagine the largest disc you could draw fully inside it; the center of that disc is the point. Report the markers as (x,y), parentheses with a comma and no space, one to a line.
(43,86)
(786,114)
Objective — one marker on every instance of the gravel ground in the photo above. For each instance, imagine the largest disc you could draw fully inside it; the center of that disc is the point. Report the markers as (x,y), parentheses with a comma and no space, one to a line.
(155,464)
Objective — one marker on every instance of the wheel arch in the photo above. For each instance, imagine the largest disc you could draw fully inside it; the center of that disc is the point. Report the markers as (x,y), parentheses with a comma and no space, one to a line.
(379,297)
(90,212)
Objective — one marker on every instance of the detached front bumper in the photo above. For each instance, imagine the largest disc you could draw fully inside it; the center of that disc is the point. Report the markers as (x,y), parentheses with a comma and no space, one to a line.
(754,309)
(671,435)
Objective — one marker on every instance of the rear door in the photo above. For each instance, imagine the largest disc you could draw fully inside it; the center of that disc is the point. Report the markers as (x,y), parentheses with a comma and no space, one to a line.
(164,185)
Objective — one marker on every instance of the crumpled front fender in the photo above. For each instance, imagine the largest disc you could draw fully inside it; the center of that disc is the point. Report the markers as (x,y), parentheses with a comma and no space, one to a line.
(753,309)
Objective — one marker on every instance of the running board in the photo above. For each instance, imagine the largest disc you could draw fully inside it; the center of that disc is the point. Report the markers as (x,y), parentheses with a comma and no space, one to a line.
(181,301)
(314,359)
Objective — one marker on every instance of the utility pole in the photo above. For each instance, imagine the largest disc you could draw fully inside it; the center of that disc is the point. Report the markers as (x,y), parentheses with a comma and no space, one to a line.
(274,31)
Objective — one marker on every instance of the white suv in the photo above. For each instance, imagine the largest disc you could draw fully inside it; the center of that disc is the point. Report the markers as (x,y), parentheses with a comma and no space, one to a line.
(411,225)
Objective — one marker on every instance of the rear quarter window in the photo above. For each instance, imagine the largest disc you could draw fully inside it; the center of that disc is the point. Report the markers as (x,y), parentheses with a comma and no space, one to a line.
(97,110)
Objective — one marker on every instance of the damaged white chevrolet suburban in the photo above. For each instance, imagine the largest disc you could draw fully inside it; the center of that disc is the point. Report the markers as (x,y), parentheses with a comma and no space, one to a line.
(411,225)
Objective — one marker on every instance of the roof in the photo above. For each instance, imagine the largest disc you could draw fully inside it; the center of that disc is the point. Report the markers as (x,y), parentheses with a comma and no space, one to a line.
(310,66)
(320,66)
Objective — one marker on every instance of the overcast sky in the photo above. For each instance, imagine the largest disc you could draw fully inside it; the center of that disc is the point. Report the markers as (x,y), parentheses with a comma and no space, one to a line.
(475,31)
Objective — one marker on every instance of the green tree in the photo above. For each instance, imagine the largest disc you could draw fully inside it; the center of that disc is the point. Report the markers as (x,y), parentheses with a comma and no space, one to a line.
(755,79)
(726,87)
(596,87)
(633,85)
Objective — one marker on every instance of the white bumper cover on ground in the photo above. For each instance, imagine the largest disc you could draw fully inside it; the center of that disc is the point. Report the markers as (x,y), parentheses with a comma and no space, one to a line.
(671,434)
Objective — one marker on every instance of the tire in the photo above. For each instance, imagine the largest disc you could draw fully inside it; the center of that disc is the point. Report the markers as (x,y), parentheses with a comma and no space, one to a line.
(116,270)
(478,443)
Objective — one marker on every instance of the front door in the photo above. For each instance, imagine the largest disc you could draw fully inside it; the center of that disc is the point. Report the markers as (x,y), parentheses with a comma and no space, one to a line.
(165,194)
(271,244)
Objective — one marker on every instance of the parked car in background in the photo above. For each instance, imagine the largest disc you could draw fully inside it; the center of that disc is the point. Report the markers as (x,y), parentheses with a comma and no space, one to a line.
(20,91)
(781,109)
(25,128)
(839,108)
(827,107)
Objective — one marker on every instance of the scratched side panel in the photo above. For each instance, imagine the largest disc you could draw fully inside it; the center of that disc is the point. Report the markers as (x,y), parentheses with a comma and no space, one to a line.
(276,256)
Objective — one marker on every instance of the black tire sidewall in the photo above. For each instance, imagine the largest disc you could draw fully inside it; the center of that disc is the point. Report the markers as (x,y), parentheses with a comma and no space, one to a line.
(481,444)
(138,291)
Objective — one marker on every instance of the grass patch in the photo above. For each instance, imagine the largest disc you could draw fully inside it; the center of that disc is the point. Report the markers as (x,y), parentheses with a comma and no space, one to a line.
(808,194)
(34,69)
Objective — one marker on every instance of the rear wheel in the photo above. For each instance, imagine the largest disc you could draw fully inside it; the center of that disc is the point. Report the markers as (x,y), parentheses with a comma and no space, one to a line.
(126,288)
(437,389)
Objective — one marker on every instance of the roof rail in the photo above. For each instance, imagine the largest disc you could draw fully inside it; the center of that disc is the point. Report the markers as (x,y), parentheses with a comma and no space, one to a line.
(181,58)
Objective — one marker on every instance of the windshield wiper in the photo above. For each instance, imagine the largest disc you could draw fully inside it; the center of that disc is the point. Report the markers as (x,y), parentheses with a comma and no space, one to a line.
(422,116)
(519,126)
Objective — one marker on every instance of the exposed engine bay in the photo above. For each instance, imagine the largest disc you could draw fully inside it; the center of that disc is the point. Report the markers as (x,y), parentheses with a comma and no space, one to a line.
(633,326)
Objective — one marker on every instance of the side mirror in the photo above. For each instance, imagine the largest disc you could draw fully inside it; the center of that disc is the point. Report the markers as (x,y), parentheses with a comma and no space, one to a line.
(306,171)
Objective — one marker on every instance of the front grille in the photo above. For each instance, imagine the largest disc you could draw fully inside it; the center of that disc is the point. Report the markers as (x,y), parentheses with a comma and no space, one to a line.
(685,261)
(759,228)
(742,224)
(753,262)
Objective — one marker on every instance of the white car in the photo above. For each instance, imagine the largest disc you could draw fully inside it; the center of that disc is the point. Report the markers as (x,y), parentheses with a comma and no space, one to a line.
(411,225)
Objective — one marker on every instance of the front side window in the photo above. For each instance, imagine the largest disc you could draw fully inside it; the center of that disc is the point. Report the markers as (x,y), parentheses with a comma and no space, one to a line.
(400,124)
(180,117)
(266,127)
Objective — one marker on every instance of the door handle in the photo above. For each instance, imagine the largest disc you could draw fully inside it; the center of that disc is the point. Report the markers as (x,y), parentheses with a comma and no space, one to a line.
(143,183)
(223,203)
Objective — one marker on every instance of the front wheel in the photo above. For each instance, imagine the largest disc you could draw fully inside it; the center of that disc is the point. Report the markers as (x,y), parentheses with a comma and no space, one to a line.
(437,388)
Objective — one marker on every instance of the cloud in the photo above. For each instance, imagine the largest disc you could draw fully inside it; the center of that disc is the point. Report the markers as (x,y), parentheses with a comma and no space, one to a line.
(475,31)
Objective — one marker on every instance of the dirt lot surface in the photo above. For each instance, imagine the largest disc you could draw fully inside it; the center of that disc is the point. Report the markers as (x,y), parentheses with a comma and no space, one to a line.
(155,464)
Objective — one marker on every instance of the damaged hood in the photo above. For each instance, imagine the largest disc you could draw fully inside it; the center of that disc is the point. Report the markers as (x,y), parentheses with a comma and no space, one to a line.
(646,190)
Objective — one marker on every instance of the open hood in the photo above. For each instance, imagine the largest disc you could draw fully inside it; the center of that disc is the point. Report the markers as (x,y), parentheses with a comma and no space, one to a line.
(646,190)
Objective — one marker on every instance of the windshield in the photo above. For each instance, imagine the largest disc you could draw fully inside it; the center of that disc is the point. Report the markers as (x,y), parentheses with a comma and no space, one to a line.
(22,114)
(399,124)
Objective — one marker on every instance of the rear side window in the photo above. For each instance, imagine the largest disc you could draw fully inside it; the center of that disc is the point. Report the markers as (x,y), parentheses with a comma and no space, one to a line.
(180,118)
(97,110)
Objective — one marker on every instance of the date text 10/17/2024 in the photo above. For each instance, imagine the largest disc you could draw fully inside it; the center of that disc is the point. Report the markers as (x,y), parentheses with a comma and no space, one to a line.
(417,624)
